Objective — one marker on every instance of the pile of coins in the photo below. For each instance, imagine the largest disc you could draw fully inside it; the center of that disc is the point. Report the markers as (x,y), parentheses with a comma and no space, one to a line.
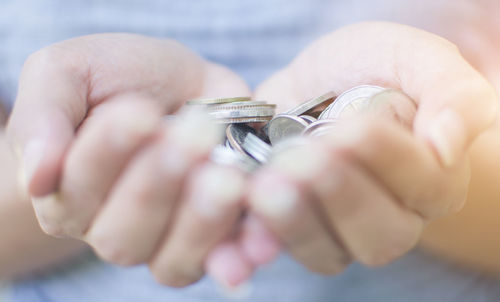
(236,110)
(253,129)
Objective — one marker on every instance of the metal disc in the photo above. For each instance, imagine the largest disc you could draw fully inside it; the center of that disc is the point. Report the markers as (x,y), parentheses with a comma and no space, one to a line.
(256,148)
(350,101)
(309,119)
(244,120)
(284,126)
(236,134)
(213,101)
(313,104)
(242,112)
(319,127)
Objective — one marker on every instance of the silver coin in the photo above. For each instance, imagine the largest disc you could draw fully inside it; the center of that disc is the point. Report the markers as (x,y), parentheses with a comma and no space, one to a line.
(241,106)
(249,104)
(350,102)
(256,148)
(284,126)
(319,128)
(312,105)
(240,112)
(265,129)
(236,134)
(212,101)
(244,120)
(309,119)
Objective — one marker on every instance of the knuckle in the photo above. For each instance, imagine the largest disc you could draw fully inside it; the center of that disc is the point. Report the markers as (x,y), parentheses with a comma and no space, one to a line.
(55,58)
(36,60)
(124,123)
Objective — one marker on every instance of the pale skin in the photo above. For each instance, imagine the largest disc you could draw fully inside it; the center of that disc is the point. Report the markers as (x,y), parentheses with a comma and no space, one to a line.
(28,249)
(366,154)
(405,210)
(143,164)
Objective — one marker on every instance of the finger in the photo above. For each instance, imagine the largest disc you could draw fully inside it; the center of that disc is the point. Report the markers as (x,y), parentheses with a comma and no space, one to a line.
(373,227)
(117,130)
(368,223)
(227,264)
(60,84)
(207,214)
(403,165)
(391,105)
(455,103)
(233,261)
(148,190)
(287,210)
(257,243)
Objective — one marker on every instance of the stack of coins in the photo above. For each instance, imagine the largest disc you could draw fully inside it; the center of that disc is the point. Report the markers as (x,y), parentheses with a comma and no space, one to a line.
(236,110)
(294,122)
(245,146)
(253,131)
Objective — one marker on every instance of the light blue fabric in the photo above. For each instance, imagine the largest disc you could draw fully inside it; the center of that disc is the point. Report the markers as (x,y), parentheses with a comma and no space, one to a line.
(415,278)
(255,38)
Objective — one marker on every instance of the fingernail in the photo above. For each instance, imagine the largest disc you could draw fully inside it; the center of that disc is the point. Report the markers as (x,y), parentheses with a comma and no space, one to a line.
(447,135)
(216,189)
(274,199)
(32,156)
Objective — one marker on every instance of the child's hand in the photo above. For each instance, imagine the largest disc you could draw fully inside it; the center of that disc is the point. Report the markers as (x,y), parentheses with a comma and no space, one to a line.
(102,165)
(365,192)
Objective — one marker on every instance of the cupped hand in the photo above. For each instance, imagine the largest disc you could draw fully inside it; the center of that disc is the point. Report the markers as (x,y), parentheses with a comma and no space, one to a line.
(365,191)
(103,165)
